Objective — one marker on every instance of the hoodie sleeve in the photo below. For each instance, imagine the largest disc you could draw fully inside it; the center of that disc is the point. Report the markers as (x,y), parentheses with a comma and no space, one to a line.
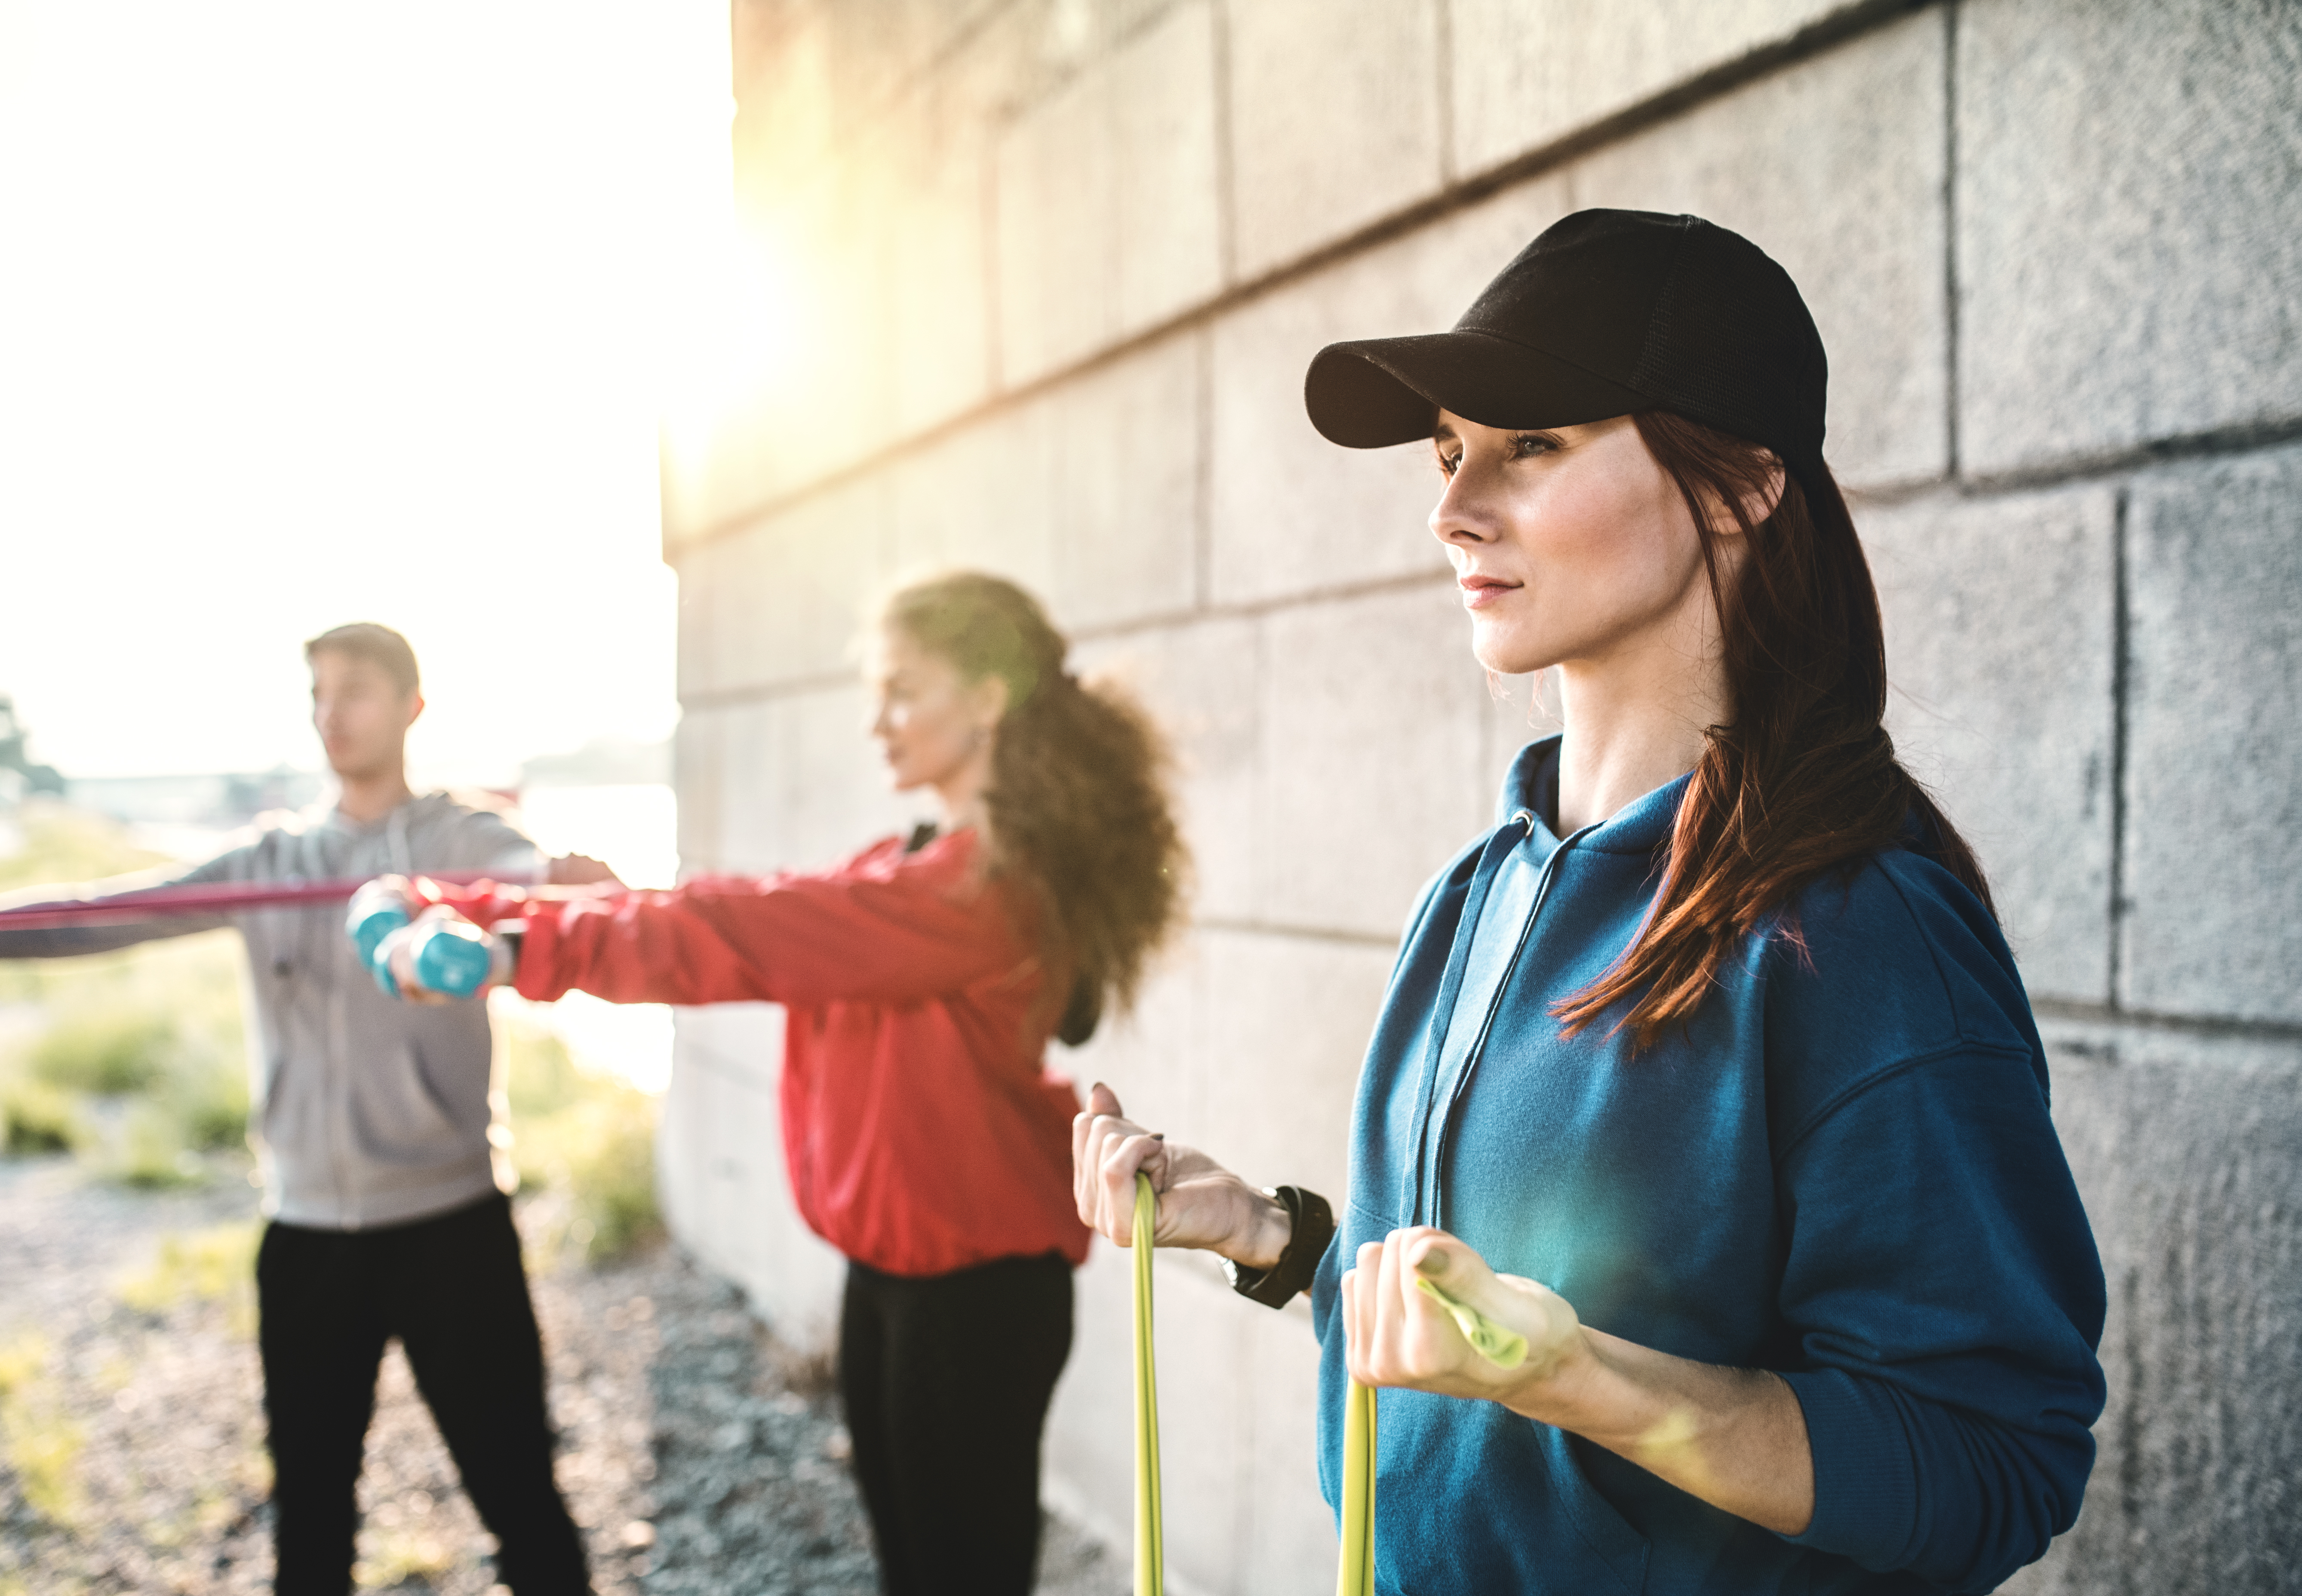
(1941,1280)
(1945,1283)
(900,936)
(63,941)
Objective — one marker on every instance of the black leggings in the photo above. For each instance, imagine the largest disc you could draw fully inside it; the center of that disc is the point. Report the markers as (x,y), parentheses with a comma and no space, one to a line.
(452,1289)
(946,1381)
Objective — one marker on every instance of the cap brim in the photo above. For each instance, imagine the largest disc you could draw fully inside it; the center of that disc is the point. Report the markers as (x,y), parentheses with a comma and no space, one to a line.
(1378,392)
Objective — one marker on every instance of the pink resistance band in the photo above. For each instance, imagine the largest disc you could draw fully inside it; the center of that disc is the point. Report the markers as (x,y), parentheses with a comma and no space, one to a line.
(229,897)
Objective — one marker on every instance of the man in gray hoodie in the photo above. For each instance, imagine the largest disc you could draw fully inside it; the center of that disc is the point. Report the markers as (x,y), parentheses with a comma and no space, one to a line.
(380,1147)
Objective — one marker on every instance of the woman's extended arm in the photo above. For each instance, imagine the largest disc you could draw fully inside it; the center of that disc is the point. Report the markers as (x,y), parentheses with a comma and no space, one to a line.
(1734,1438)
(886,936)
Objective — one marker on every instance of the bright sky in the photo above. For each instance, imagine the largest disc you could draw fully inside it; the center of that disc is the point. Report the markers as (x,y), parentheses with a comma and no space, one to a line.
(311,313)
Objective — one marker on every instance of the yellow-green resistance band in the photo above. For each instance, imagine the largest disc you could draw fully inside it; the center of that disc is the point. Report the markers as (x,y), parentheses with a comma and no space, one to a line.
(1150,1543)
(1355,1573)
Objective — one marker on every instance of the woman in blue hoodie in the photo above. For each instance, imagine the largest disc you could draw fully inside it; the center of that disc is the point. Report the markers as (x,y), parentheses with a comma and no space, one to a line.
(1707,1068)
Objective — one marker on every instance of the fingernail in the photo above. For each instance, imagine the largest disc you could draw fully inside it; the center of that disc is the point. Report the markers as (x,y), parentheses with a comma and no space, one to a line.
(1098,1087)
(1159,1136)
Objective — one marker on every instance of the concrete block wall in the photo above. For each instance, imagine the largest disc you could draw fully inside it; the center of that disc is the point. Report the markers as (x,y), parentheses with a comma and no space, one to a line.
(1057,266)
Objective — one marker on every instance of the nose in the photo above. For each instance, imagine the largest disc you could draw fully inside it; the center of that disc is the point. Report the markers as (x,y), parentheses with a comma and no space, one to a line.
(1463,517)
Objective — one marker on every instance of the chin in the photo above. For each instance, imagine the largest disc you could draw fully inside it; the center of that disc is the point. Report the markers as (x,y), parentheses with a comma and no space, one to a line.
(1496,648)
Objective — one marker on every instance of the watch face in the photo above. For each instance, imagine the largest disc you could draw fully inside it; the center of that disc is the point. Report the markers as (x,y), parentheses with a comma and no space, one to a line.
(1230,1273)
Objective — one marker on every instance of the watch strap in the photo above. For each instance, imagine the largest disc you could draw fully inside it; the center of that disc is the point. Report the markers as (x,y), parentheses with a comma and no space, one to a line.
(1311,1227)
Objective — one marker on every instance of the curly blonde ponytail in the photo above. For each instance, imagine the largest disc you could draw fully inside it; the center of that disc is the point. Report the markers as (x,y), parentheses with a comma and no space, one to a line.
(1079,811)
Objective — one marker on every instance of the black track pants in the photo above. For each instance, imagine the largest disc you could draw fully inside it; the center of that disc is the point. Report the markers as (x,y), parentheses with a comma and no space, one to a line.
(452,1289)
(946,1381)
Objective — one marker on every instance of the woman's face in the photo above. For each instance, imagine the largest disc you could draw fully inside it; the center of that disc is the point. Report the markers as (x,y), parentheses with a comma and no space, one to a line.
(1570,545)
(931,726)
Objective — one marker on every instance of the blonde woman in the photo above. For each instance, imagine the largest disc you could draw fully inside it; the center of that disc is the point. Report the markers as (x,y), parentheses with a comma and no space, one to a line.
(923,978)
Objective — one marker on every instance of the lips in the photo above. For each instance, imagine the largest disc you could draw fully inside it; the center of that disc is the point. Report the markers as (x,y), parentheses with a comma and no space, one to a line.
(1480,591)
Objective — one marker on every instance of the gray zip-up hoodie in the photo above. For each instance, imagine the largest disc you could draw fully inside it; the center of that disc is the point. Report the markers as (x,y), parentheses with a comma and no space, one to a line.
(367,1111)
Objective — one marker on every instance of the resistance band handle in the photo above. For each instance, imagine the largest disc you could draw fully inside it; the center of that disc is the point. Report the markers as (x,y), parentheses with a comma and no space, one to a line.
(1150,1537)
(1504,1348)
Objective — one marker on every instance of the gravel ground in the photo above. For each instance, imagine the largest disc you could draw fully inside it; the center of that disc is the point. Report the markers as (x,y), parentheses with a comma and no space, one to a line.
(700,1455)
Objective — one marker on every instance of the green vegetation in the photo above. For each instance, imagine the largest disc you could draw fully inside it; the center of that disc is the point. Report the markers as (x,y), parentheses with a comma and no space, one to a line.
(141,1068)
(133,1060)
(41,1441)
(35,1118)
(210,1266)
(105,1053)
(584,1140)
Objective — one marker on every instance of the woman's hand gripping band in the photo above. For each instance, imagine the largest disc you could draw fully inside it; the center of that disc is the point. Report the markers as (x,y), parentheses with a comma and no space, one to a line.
(1423,1311)
(1201,1204)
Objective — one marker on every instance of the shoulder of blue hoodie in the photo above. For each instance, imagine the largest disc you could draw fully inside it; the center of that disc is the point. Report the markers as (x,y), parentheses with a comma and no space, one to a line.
(1934,1296)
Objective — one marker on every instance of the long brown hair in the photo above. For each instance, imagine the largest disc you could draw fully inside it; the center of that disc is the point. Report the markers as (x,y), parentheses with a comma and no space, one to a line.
(1079,812)
(1804,782)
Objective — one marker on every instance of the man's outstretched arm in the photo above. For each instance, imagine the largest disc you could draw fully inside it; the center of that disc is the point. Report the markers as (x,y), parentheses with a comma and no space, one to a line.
(101,937)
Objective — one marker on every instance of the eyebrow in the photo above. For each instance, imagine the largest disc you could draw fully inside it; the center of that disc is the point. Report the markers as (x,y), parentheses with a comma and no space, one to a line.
(1441,433)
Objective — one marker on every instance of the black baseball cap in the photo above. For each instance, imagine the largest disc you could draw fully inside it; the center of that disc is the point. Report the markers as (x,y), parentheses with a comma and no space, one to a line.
(1606,313)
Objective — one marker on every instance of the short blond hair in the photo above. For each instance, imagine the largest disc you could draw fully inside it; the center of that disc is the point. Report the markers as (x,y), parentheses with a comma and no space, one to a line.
(380,646)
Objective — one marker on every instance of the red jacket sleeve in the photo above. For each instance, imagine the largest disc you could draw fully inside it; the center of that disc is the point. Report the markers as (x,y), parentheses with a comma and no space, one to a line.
(890,936)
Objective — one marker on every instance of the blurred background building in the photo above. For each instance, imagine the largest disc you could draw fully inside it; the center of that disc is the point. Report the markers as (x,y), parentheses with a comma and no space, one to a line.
(1036,286)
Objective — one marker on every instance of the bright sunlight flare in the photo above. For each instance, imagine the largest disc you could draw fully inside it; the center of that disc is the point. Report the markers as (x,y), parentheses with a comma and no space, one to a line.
(313,313)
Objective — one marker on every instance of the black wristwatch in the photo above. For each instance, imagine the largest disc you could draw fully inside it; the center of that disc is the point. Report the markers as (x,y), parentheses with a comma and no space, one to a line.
(1313,1227)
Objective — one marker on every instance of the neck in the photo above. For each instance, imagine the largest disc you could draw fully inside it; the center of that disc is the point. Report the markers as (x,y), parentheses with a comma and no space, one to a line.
(961,794)
(960,814)
(367,798)
(1632,724)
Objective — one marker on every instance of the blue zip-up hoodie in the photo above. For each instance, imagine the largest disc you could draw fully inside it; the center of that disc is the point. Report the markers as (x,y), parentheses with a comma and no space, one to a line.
(1843,1170)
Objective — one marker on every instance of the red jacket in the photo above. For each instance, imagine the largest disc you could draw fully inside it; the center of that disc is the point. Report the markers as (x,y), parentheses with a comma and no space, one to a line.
(922,1129)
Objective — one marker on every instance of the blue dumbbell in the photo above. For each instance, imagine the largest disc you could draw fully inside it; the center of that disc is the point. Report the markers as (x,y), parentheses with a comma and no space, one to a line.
(451,958)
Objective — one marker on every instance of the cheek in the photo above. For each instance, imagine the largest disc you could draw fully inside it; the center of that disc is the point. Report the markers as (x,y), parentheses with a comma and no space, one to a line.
(1600,561)
(1632,531)
(1579,533)
(929,733)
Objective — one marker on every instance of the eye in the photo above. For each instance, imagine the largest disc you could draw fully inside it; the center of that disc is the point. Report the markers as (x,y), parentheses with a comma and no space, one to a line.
(1524,445)
(1447,461)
